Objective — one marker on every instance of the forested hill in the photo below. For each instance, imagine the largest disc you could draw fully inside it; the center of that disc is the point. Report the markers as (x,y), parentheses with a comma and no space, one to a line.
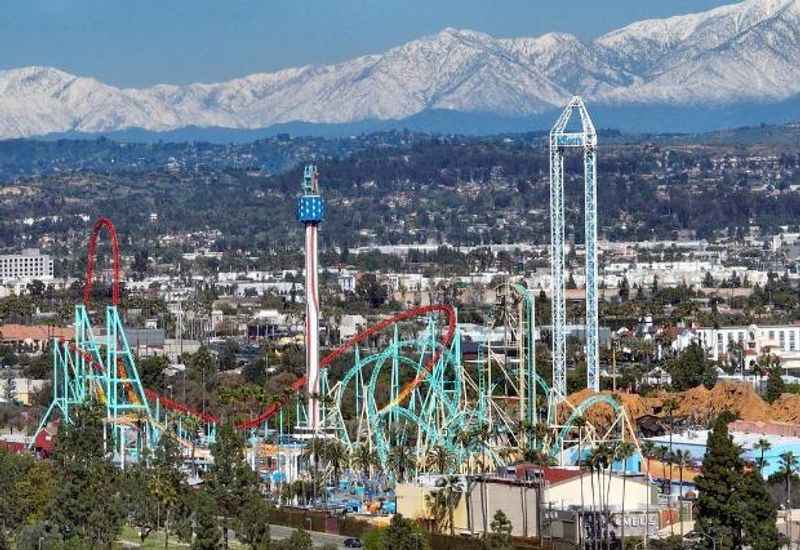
(399,187)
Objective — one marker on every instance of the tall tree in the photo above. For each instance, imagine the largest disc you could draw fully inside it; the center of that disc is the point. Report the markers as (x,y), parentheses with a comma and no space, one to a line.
(231,481)
(444,500)
(142,506)
(88,503)
(335,454)
(166,479)
(758,514)
(438,459)
(788,470)
(775,385)
(500,537)
(681,458)
(405,534)
(207,533)
(26,486)
(623,452)
(363,458)
(691,368)
(718,501)
(762,445)
(253,523)
(371,291)
(401,459)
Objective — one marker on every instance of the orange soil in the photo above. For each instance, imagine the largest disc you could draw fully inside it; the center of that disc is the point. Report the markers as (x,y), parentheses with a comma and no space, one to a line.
(698,403)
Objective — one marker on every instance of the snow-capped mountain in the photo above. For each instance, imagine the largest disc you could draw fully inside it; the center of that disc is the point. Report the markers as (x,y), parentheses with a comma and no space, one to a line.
(745,52)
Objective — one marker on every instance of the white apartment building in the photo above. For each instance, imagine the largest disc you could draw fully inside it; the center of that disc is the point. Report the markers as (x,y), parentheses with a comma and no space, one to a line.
(780,340)
(26,267)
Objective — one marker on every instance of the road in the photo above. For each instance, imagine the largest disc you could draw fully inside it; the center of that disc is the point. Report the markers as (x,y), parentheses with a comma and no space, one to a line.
(283,532)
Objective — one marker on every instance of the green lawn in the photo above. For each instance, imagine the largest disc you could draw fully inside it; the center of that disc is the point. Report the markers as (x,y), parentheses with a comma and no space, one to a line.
(130,537)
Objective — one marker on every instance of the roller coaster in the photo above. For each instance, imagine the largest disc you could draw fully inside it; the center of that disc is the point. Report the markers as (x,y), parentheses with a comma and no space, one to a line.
(418,392)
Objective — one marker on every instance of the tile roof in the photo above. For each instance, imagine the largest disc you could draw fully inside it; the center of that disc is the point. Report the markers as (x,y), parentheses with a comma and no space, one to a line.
(550,475)
(34,332)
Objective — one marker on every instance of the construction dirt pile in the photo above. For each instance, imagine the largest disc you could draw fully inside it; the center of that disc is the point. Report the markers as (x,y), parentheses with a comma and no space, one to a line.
(702,405)
(786,409)
(602,414)
(699,404)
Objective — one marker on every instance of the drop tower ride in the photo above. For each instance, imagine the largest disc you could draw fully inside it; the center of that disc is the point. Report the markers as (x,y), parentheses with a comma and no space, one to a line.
(311,212)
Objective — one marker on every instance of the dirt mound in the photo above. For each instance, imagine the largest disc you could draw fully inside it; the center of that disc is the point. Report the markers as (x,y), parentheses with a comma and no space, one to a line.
(602,414)
(699,404)
(702,405)
(786,408)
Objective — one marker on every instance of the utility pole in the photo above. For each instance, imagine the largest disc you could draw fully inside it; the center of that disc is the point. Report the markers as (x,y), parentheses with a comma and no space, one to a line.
(614,366)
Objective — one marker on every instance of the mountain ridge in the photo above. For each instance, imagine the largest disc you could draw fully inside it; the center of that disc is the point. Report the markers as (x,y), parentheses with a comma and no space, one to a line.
(738,53)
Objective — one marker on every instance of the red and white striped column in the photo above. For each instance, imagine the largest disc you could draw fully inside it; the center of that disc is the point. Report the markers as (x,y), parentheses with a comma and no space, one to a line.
(312,327)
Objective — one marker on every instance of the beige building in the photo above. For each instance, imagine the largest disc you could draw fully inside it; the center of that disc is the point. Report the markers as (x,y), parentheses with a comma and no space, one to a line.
(518,498)
(567,493)
(479,503)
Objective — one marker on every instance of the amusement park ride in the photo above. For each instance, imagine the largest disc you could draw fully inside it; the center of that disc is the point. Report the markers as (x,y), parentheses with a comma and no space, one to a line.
(417,391)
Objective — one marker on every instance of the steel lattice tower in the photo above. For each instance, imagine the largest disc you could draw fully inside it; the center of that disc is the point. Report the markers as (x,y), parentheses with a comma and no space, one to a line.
(560,140)
(311,212)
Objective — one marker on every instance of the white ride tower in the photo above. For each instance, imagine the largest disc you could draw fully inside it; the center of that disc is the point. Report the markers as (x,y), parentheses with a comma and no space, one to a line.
(561,139)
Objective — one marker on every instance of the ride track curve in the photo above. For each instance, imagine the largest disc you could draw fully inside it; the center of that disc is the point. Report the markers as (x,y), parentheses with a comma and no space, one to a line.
(102,223)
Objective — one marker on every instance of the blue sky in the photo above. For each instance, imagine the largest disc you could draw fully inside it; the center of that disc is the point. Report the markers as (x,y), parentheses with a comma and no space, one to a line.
(143,42)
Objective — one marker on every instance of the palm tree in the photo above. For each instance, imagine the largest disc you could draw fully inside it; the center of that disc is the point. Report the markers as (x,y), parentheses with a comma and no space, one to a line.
(313,451)
(335,455)
(598,461)
(580,423)
(623,452)
(788,468)
(363,458)
(524,433)
(666,458)
(586,464)
(483,435)
(681,459)
(439,459)
(540,434)
(400,460)
(670,406)
(648,450)
(445,499)
(191,425)
(607,463)
(762,445)
(437,508)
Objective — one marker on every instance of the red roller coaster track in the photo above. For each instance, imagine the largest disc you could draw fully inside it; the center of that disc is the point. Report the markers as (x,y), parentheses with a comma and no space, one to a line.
(112,233)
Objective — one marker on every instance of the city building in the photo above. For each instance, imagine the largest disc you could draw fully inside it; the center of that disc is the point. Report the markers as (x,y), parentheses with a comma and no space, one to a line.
(32,338)
(752,341)
(25,267)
